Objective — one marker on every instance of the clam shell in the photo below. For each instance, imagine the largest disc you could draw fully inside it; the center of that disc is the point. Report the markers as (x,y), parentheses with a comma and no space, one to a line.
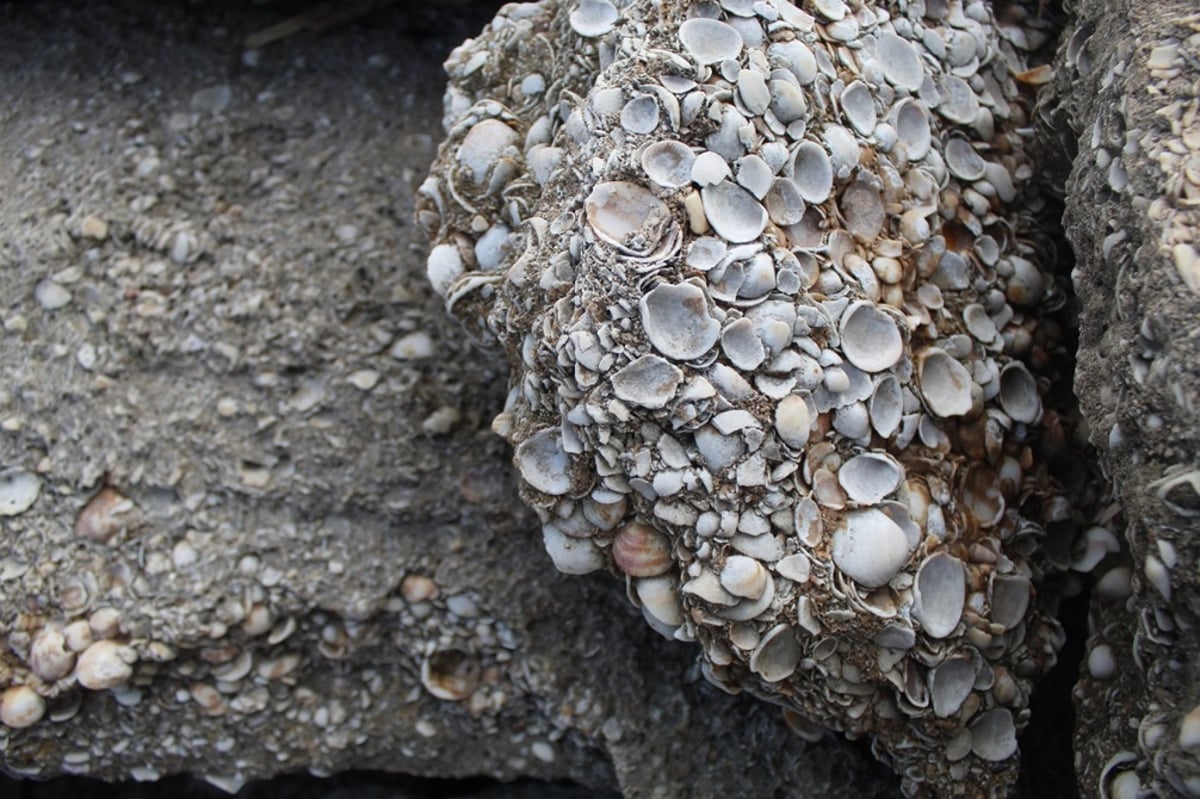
(619,211)
(19,489)
(945,384)
(939,594)
(709,169)
(793,421)
(669,163)
(862,208)
(869,477)
(796,57)
(959,102)
(649,381)
(753,92)
(901,64)
(950,684)
(784,204)
(640,115)
(911,119)
(858,104)
(886,406)
(709,40)
(450,674)
(870,338)
(777,654)
(742,345)
(571,555)
(677,321)
(733,212)
(660,598)
(743,576)
(482,147)
(993,735)
(543,463)
(962,160)
(1019,394)
(641,551)
(869,547)
(812,172)
(593,18)
(1009,596)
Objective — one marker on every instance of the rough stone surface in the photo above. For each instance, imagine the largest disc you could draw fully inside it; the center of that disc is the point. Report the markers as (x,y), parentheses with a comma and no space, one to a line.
(1126,98)
(262,451)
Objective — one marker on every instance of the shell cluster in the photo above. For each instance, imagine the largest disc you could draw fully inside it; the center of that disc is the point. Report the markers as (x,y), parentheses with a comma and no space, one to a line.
(775,310)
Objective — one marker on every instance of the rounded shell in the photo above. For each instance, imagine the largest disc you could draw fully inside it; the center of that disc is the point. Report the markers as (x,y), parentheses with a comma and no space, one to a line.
(450,674)
(869,477)
(543,463)
(21,706)
(870,338)
(945,384)
(869,547)
(939,594)
(105,664)
(710,40)
(668,163)
(641,551)
(677,321)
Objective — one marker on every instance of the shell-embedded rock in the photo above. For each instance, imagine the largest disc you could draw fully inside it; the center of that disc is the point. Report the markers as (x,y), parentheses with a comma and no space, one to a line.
(777,292)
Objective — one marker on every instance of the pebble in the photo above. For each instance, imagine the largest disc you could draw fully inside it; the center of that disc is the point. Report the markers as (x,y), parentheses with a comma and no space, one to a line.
(93,227)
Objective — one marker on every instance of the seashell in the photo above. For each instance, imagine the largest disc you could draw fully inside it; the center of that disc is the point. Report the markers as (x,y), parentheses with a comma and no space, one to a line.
(858,104)
(843,150)
(443,267)
(939,594)
(668,163)
(604,515)
(733,212)
(869,547)
(493,247)
(896,636)
(812,172)
(981,494)
(945,384)
(571,555)
(709,40)
(914,227)
(870,338)
(660,599)
(788,102)
(593,18)
(749,609)
(753,92)
(641,551)
(707,586)
(742,345)
(979,324)
(784,204)
(797,58)
(869,477)
(744,577)
(886,406)
(993,735)
(709,169)
(105,664)
(754,175)
(543,463)
(450,674)
(1009,599)
(18,491)
(21,706)
(962,160)
(950,684)
(1019,394)
(649,382)
(796,567)
(49,657)
(677,321)
(862,208)
(100,519)
(777,654)
(705,253)
(793,421)
(959,102)
(620,212)
(483,146)
(640,115)
(911,119)
(901,64)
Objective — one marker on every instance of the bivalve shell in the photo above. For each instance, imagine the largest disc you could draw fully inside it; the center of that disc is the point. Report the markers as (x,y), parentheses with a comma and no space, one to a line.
(1009,599)
(993,735)
(621,213)
(777,654)
(543,463)
(649,382)
(450,674)
(669,163)
(641,551)
(870,338)
(869,547)
(677,321)
(21,706)
(593,18)
(744,577)
(950,684)
(939,594)
(869,477)
(709,40)
(105,664)
(18,491)
(733,212)
(945,384)
(812,172)
(1019,394)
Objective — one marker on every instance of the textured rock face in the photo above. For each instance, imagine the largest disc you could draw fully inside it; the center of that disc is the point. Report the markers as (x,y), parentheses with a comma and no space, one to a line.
(1125,95)
(252,517)
(777,318)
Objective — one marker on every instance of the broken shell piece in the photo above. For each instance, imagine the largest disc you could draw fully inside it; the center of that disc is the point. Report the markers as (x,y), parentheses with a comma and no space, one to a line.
(777,655)
(543,463)
(649,382)
(1019,394)
(450,674)
(742,345)
(870,338)
(869,547)
(677,321)
(669,163)
(869,477)
(733,212)
(939,594)
(709,40)
(744,577)
(593,18)
(641,551)
(100,519)
(626,215)
(945,384)
(993,735)
(49,657)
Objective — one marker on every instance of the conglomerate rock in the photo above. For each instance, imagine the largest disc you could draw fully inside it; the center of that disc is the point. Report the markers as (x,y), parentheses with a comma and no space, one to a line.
(251,516)
(781,329)
(1126,98)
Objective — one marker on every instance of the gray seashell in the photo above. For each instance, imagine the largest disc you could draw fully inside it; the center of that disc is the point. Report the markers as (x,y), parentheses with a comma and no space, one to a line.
(950,684)
(733,212)
(709,169)
(593,18)
(796,57)
(1019,394)
(677,321)
(993,735)
(911,119)
(870,338)
(795,567)
(482,147)
(862,208)
(959,102)
(962,160)
(669,163)
(858,104)
(443,267)
(869,547)
(843,150)
(640,115)
(979,324)
(784,204)
(543,463)
(753,92)
(812,172)
(788,102)
(705,253)
(649,381)
(709,40)
(869,477)
(777,655)
(886,406)
(749,609)
(707,586)
(626,215)
(742,345)
(793,421)
(945,384)
(939,594)
(1009,599)
(754,175)
(901,64)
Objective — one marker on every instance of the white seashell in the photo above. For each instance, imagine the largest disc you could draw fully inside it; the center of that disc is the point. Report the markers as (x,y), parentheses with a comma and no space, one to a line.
(669,163)
(993,735)
(788,102)
(742,345)
(543,463)
(709,169)
(493,247)
(912,126)
(709,40)
(959,102)
(20,707)
(784,204)
(443,267)
(1009,598)
(795,567)
(707,586)
(886,406)
(18,491)
(744,577)
(105,664)
(862,208)
(962,160)
(901,65)
(482,147)
(640,115)
(752,89)
(796,57)
(1189,731)
(751,608)
(981,494)
(620,212)
(777,655)
(914,227)
(450,674)
(793,421)
(858,103)
(660,598)
(641,551)
(832,10)
(754,175)
(677,321)
(869,547)
(979,324)
(650,382)
(870,476)
(939,594)
(812,172)
(571,555)
(950,684)
(49,657)
(843,150)
(705,253)
(870,338)
(1019,394)
(593,18)
(733,212)
(945,384)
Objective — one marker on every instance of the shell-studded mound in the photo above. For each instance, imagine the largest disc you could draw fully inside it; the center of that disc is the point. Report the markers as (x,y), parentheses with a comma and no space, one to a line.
(776,312)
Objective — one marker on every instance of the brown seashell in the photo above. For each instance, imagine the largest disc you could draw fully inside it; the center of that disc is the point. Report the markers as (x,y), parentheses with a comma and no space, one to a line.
(641,551)
(101,517)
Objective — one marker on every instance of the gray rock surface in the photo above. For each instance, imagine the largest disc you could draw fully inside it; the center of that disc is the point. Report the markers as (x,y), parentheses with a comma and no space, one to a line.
(250,496)
(1126,96)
